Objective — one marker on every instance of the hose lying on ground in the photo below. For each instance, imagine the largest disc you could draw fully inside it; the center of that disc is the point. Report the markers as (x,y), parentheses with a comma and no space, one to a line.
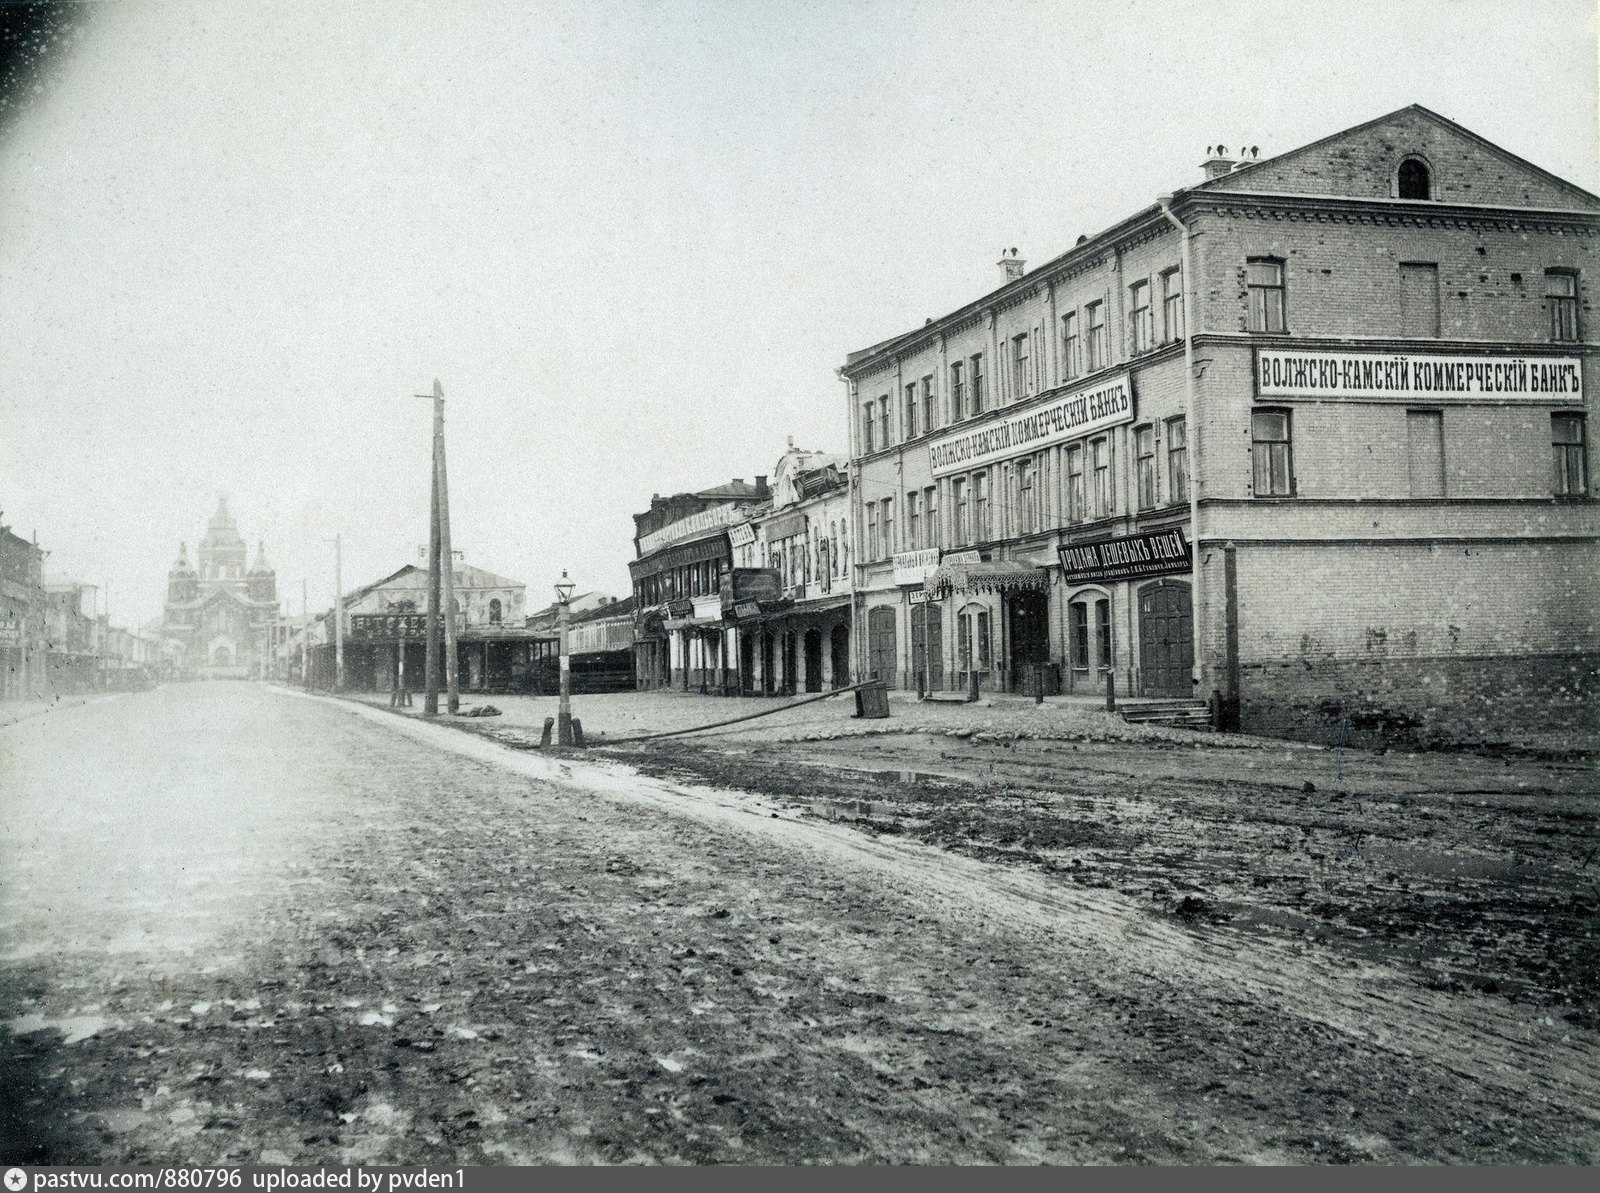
(765,712)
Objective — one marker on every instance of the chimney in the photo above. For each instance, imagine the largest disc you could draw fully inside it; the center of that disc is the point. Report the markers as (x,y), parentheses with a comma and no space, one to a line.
(1012,265)
(1217,162)
(738,480)
(762,492)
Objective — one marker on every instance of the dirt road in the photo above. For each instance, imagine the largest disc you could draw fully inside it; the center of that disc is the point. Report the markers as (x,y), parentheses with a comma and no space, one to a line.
(243,925)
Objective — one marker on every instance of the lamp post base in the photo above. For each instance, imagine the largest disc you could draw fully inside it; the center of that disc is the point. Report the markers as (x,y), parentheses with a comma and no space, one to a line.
(564,729)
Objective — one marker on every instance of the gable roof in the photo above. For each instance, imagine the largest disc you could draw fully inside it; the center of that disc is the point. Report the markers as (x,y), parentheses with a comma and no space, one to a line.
(1265,173)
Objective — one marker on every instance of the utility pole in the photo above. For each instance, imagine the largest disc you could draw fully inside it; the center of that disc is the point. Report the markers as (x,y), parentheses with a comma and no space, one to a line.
(430,663)
(448,576)
(441,579)
(338,613)
(305,637)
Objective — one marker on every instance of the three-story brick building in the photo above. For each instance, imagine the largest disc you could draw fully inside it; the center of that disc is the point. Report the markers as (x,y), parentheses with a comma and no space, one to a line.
(1308,438)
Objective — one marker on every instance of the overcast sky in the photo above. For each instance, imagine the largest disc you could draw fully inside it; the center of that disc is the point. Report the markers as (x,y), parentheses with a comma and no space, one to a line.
(633,241)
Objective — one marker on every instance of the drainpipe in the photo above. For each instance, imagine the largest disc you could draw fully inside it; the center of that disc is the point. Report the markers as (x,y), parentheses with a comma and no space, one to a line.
(1192,430)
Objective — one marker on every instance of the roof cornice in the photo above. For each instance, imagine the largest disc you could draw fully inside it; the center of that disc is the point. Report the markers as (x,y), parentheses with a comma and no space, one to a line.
(870,360)
(1421,210)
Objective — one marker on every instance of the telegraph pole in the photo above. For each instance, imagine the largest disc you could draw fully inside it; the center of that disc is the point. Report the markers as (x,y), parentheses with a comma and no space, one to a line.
(338,613)
(430,663)
(448,575)
(305,637)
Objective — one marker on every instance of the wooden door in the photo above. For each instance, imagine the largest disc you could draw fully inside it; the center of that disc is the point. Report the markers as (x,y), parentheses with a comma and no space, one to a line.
(881,644)
(1166,640)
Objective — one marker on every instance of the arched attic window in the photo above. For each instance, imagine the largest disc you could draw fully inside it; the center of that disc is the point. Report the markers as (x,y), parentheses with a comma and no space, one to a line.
(1415,180)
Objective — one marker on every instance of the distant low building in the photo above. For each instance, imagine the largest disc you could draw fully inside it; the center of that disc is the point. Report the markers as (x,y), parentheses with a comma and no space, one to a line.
(386,632)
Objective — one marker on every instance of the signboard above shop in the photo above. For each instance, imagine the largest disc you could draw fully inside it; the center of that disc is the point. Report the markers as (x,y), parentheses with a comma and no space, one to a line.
(1160,553)
(1085,412)
(913,567)
(716,518)
(1281,374)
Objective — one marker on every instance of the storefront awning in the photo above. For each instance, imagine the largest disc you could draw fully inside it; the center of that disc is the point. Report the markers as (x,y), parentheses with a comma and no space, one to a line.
(691,623)
(965,579)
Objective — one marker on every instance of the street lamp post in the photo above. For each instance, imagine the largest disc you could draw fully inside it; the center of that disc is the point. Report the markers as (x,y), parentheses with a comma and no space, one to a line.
(564,711)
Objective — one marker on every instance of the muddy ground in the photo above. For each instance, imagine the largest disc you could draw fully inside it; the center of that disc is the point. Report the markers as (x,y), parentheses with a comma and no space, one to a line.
(1472,872)
(242,926)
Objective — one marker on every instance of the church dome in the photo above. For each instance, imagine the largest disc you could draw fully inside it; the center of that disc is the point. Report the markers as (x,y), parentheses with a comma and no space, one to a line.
(262,566)
(182,567)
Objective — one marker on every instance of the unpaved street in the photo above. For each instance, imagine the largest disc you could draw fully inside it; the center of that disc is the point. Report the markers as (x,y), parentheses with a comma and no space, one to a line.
(243,925)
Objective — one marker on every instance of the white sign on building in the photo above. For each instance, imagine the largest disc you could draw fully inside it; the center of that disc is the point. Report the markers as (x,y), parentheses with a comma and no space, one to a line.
(707,520)
(1083,413)
(914,567)
(1282,374)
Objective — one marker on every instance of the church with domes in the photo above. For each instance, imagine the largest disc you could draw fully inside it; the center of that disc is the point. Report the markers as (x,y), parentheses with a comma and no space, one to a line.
(221,611)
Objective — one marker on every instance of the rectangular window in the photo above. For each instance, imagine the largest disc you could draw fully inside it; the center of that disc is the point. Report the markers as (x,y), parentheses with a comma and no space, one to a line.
(1271,459)
(930,418)
(977,382)
(1019,367)
(911,411)
(1100,462)
(1102,633)
(1177,459)
(868,424)
(913,521)
(1419,299)
(964,644)
(888,527)
(1425,447)
(958,497)
(1095,336)
(1264,280)
(1027,513)
(872,530)
(884,435)
(1077,509)
(1069,345)
(980,507)
(983,640)
(1144,450)
(1571,463)
(932,531)
(958,392)
(1143,327)
(1172,305)
(1561,293)
(1080,635)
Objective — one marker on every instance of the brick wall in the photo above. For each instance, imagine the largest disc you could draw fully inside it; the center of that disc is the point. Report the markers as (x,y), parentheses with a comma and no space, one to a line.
(1363,163)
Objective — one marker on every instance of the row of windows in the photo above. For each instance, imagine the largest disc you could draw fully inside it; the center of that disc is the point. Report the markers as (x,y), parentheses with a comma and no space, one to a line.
(1084,345)
(1267,306)
(687,580)
(1076,483)
(1272,454)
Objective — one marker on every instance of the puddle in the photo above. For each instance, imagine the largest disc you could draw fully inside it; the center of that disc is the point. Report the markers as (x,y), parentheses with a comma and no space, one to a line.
(73,1028)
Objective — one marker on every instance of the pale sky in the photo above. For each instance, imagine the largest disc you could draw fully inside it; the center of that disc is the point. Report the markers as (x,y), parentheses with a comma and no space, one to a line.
(633,241)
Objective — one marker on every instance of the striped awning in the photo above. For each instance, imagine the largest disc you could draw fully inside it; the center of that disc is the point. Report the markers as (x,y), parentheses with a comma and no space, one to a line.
(966,579)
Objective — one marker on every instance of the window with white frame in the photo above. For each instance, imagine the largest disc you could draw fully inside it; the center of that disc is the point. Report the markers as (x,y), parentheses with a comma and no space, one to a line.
(1069,345)
(1144,451)
(1177,459)
(1140,316)
(1561,294)
(1567,441)
(1095,346)
(1172,305)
